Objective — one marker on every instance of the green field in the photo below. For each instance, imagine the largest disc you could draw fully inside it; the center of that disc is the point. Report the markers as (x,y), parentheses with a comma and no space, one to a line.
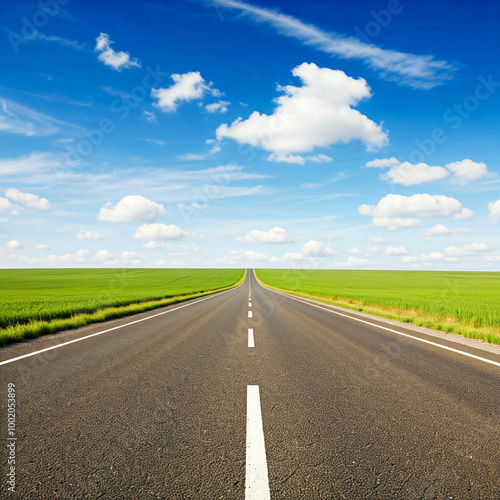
(467,303)
(39,301)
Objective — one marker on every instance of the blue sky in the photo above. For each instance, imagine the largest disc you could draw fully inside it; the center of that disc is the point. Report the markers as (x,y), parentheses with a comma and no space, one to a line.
(193,133)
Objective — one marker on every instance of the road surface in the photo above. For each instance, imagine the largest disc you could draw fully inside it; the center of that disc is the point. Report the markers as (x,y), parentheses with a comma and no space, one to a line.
(251,394)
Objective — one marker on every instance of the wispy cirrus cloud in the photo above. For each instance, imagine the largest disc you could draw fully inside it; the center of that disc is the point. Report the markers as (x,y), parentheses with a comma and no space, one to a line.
(18,119)
(417,71)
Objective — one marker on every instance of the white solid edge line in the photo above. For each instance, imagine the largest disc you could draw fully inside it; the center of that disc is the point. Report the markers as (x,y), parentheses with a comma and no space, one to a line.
(115,327)
(256,476)
(250,314)
(496,363)
(251,342)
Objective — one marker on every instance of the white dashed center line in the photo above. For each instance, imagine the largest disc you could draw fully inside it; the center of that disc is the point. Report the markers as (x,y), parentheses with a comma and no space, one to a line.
(256,478)
(250,314)
(251,342)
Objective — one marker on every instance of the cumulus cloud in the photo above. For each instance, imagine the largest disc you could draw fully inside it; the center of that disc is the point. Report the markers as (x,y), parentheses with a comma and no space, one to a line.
(299,159)
(354,262)
(217,107)
(383,163)
(162,232)
(14,245)
(494,209)
(187,87)
(355,251)
(467,170)
(89,235)
(131,209)
(41,246)
(310,251)
(396,251)
(111,58)
(394,223)
(468,249)
(7,207)
(317,114)
(243,255)
(28,199)
(408,174)
(430,257)
(274,235)
(153,245)
(315,248)
(438,229)
(396,211)
(102,255)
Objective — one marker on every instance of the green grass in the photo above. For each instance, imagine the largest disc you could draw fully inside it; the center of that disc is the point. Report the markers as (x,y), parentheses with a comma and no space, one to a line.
(466,303)
(39,301)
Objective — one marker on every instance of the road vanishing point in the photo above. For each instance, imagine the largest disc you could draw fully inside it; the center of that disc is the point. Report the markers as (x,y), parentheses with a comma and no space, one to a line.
(252,394)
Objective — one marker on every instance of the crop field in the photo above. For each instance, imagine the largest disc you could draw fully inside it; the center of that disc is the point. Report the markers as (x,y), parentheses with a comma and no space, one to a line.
(39,301)
(467,303)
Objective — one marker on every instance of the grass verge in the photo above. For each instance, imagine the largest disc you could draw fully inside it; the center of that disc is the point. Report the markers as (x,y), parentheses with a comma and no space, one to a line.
(34,328)
(445,324)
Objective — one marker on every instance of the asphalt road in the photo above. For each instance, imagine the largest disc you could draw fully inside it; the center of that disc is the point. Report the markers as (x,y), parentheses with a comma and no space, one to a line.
(179,406)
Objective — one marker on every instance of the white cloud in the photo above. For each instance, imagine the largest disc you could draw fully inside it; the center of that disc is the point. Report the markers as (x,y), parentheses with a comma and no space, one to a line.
(14,245)
(31,164)
(18,119)
(354,262)
(315,248)
(408,174)
(396,251)
(418,205)
(69,258)
(162,232)
(395,223)
(150,116)
(310,250)
(131,209)
(355,251)
(494,209)
(430,257)
(243,255)
(274,235)
(102,255)
(158,142)
(113,59)
(383,163)
(418,71)
(42,246)
(187,87)
(438,229)
(468,249)
(89,235)
(6,207)
(294,256)
(299,159)
(152,245)
(217,107)
(465,213)
(317,114)
(28,199)
(467,170)
(377,239)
